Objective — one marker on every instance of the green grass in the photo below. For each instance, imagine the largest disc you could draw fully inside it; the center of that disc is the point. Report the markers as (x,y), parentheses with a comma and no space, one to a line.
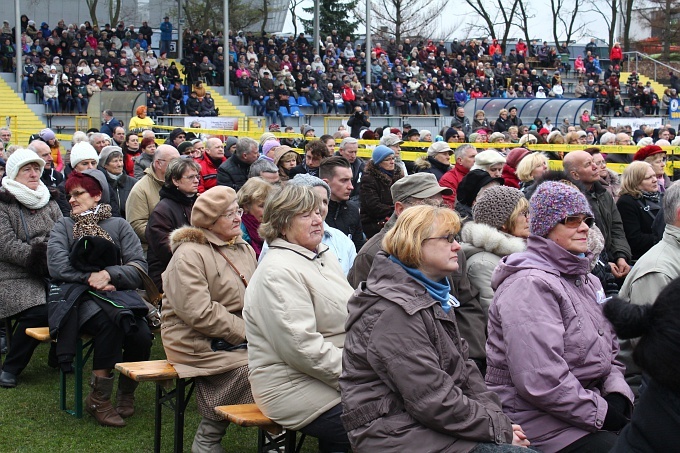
(30,419)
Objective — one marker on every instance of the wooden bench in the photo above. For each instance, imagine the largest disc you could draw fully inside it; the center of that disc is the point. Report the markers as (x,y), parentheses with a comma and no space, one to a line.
(162,373)
(84,343)
(271,436)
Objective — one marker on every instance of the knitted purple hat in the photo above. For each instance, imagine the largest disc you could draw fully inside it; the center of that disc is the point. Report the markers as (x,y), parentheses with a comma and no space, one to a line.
(552,202)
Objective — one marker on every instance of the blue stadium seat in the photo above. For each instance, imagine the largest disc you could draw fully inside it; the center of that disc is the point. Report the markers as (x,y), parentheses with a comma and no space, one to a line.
(303,102)
(284,112)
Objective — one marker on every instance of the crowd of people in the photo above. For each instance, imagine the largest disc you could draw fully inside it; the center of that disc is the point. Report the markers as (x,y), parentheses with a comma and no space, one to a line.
(376,304)
(65,64)
(354,299)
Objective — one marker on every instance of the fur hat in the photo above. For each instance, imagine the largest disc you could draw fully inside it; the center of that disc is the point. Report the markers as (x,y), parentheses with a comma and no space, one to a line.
(552,202)
(495,205)
(18,159)
(380,153)
(82,151)
(211,205)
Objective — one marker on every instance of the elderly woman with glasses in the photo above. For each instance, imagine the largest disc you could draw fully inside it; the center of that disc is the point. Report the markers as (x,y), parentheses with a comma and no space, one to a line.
(295,310)
(203,331)
(609,179)
(407,381)
(551,354)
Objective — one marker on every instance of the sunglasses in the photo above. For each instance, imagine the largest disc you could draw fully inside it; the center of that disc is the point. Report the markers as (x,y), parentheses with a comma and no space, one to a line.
(575,221)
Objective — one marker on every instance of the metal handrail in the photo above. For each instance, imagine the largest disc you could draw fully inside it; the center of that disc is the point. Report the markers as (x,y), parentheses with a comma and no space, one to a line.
(644,55)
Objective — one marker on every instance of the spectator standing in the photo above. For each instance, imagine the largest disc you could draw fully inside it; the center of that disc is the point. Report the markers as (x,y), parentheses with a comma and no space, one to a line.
(213,157)
(234,171)
(166,35)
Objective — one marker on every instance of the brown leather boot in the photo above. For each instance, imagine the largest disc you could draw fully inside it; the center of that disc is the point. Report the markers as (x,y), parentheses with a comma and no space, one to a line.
(98,402)
(125,397)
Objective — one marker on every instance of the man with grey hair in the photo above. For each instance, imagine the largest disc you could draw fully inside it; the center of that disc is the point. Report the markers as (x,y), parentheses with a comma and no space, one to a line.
(265,169)
(465,159)
(621,139)
(349,148)
(145,195)
(109,123)
(50,176)
(419,189)
(5,135)
(98,142)
(652,273)
(234,171)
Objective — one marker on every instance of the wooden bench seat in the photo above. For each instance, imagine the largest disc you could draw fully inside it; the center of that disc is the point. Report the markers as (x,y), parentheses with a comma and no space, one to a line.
(271,435)
(176,397)
(39,333)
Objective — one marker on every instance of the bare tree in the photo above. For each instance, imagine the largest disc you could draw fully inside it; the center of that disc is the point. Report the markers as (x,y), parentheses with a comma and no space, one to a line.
(523,17)
(626,7)
(207,14)
(564,22)
(405,18)
(609,11)
(661,18)
(114,11)
(292,6)
(497,16)
(92,8)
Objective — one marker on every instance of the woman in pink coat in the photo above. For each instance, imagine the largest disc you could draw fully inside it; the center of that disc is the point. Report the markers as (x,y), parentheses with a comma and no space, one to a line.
(551,354)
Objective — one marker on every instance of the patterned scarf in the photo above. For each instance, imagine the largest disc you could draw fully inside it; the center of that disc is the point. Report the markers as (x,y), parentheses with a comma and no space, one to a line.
(654,197)
(86,224)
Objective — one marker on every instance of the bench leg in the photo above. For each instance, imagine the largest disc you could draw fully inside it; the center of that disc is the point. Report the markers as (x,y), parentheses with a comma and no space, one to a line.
(78,364)
(158,413)
(285,442)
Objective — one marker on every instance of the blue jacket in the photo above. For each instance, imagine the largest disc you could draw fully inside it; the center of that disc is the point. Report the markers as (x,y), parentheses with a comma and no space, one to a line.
(166,31)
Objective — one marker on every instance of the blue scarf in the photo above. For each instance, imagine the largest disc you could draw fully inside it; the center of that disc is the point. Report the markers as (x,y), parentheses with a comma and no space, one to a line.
(440,291)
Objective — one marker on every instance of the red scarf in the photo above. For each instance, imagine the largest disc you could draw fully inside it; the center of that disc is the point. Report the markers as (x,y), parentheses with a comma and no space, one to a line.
(252,224)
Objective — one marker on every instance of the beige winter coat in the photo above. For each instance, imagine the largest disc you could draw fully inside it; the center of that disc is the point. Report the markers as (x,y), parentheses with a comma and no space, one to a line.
(203,300)
(295,312)
(141,202)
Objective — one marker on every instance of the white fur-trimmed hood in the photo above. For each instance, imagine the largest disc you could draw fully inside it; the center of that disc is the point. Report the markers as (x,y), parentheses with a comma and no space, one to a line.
(491,240)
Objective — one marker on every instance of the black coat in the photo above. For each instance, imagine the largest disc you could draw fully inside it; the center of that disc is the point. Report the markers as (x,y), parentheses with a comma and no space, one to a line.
(637,223)
(656,422)
(119,189)
(344,215)
(233,173)
(172,212)
(376,199)
(356,122)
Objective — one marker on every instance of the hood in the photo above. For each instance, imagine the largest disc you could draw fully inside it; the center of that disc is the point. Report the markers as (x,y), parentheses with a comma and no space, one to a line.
(489,239)
(387,280)
(544,255)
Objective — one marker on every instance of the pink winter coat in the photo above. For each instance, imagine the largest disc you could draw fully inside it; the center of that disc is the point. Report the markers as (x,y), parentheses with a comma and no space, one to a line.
(551,354)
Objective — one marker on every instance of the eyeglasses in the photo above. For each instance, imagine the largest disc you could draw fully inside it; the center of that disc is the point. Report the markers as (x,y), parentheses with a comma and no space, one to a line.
(231,214)
(575,221)
(525,214)
(450,238)
(77,193)
(190,177)
(602,163)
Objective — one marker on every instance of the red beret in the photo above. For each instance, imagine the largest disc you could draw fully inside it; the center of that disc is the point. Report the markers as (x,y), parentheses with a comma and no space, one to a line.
(544,131)
(646,151)
(515,155)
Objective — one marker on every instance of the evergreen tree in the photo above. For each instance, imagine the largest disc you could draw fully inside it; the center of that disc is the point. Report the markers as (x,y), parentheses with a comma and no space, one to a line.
(333,15)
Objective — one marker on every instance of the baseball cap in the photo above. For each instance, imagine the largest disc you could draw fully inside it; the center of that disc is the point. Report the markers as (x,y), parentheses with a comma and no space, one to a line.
(391,140)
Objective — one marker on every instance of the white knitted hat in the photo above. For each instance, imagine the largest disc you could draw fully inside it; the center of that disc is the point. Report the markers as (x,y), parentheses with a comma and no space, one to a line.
(18,159)
(82,151)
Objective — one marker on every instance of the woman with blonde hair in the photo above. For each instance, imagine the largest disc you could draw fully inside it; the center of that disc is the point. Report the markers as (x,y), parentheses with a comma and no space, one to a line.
(531,168)
(251,198)
(400,389)
(294,313)
(639,205)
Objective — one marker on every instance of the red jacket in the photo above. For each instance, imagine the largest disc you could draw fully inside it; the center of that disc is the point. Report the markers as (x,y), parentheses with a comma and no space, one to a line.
(616,53)
(129,162)
(451,179)
(348,94)
(208,173)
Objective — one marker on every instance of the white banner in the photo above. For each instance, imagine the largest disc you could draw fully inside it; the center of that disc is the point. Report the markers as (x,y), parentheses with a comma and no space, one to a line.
(635,123)
(213,122)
